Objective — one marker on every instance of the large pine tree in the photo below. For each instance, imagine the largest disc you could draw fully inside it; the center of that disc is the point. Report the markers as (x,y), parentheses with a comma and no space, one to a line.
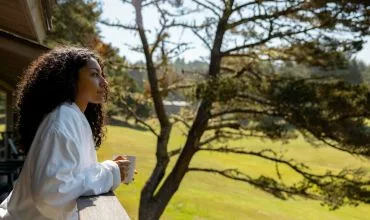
(243,95)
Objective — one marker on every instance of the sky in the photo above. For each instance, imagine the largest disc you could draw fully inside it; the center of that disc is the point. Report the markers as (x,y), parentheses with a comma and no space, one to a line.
(115,10)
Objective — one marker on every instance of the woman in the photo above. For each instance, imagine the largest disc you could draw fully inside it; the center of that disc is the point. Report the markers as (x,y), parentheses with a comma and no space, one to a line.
(60,123)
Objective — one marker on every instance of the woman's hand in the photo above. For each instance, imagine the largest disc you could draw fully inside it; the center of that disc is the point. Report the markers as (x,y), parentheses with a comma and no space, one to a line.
(123,165)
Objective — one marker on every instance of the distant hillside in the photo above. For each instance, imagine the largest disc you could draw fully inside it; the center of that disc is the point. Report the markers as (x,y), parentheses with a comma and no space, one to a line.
(138,76)
(189,70)
(192,66)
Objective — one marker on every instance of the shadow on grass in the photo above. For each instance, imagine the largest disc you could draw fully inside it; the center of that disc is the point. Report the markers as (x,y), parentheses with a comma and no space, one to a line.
(121,123)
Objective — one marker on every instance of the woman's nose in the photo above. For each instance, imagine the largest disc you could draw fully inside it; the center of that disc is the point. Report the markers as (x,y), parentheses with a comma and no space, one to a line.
(103,82)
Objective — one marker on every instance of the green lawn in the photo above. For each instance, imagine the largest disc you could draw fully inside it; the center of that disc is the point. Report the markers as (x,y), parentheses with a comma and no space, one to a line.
(209,196)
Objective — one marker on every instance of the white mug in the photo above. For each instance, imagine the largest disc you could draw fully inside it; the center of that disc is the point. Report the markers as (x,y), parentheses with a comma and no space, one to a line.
(131,170)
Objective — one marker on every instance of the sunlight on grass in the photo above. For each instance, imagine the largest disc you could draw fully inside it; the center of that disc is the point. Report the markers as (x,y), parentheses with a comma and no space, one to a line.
(209,196)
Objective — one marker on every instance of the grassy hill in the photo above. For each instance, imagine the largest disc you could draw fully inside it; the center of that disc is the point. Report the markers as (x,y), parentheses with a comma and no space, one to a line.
(209,196)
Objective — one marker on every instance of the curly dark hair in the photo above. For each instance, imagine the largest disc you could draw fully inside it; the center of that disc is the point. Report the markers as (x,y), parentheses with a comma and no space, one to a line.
(48,82)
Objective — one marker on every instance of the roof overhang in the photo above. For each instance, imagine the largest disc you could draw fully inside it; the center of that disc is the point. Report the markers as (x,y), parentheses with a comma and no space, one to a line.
(23,27)
(30,19)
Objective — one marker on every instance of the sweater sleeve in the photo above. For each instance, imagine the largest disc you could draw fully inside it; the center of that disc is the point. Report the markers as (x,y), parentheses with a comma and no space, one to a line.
(59,180)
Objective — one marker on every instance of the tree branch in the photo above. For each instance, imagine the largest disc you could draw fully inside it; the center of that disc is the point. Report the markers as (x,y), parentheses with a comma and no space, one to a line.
(351,152)
(138,119)
(195,31)
(214,137)
(265,40)
(207,7)
(299,168)
(117,24)
(160,37)
(174,152)
(244,110)
(179,119)
(239,7)
(157,99)
(254,98)
(242,134)
(232,125)
(277,14)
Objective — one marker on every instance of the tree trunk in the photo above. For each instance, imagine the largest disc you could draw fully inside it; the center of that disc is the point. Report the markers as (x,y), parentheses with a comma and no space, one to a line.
(147,211)
(152,207)
(153,202)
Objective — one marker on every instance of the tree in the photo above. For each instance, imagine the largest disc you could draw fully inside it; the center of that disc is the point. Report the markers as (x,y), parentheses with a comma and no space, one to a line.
(244,94)
(75,23)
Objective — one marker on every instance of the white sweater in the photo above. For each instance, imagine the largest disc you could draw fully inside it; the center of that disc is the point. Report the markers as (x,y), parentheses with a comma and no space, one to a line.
(60,167)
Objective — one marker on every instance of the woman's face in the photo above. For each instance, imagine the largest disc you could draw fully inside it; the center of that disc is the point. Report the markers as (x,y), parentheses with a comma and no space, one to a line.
(91,85)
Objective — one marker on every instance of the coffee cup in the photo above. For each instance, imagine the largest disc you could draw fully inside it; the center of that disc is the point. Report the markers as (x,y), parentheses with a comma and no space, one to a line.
(131,170)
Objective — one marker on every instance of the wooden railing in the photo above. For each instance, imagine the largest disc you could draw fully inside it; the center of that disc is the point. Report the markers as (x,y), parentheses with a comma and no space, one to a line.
(105,206)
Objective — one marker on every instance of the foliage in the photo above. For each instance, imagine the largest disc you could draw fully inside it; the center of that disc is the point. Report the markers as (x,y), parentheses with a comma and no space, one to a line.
(74,23)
